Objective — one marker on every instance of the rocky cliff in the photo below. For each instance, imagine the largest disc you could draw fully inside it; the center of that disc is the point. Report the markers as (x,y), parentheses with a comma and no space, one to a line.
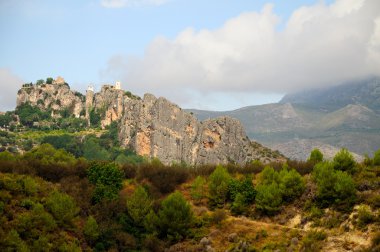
(154,127)
(55,97)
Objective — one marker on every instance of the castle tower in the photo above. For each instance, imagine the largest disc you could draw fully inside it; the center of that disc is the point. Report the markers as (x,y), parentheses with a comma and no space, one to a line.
(118,85)
(89,101)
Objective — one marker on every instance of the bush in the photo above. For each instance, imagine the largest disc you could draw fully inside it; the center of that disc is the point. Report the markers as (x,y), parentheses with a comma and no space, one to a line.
(316,156)
(163,178)
(312,241)
(292,184)
(333,187)
(107,178)
(239,205)
(365,216)
(218,216)
(175,217)
(218,186)
(376,157)
(198,189)
(344,161)
(91,230)
(268,176)
(62,207)
(243,187)
(268,198)
(139,205)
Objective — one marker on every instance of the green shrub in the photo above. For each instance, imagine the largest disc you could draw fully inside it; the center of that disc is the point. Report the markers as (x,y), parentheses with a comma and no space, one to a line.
(91,230)
(344,161)
(218,186)
(316,156)
(268,198)
(312,241)
(198,189)
(268,176)
(291,185)
(365,216)
(139,205)
(62,207)
(107,178)
(244,187)
(239,205)
(376,157)
(175,217)
(333,187)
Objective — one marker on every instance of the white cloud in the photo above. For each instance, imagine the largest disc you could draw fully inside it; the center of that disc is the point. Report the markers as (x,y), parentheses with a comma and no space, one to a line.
(320,45)
(9,85)
(130,3)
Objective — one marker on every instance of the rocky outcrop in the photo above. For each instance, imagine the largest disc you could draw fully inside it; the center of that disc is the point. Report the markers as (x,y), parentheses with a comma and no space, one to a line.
(55,97)
(109,102)
(153,127)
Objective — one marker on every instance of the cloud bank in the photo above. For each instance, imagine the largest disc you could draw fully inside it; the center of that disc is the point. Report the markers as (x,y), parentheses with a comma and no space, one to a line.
(130,3)
(9,85)
(319,45)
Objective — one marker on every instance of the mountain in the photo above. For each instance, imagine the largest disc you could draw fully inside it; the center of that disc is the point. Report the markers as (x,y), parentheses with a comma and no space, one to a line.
(365,92)
(152,127)
(341,116)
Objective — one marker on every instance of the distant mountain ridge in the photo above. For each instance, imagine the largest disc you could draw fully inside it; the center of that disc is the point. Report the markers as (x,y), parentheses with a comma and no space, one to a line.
(347,115)
(364,92)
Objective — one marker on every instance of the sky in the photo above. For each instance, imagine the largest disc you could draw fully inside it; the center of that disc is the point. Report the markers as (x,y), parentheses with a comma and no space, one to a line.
(215,54)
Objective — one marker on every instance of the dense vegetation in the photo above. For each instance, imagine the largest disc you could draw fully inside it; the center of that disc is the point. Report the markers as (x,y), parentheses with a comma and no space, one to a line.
(57,200)
(64,187)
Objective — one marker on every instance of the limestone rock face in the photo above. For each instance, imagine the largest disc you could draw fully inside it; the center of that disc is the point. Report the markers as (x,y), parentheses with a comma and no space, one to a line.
(155,127)
(110,102)
(52,96)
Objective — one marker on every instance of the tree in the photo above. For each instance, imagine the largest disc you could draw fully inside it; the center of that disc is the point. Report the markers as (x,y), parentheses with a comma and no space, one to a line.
(376,157)
(344,161)
(93,151)
(107,178)
(139,204)
(13,242)
(291,184)
(91,230)
(62,207)
(29,114)
(46,154)
(198,190)
(244,187)
(95,118)
(175,217)
(333,187)
(49,80)
(316,156)
(268,198)
(218,186)
(40,82)
(239,205)
(345,191)
(268,176)
(5,119)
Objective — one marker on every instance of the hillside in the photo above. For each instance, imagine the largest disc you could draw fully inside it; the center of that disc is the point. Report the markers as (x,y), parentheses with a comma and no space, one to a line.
(49,199)
(343,122)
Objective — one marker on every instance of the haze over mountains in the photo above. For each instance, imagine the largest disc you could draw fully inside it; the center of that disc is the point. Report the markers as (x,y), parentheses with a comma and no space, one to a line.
(346,115)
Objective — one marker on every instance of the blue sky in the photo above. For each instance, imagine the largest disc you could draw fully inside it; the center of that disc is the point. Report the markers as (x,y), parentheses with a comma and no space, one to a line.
(210,65)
